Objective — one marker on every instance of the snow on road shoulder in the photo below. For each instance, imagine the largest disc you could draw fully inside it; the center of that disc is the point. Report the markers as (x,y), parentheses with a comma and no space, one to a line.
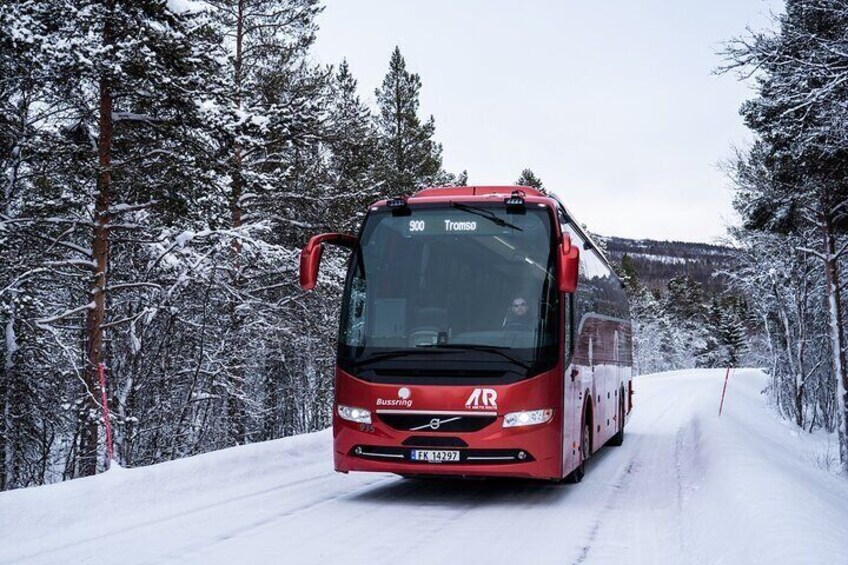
(64,514)
(687,487)
(754,490)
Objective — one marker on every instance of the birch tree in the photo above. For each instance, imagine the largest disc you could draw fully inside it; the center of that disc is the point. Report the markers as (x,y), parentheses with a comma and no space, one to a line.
(785,291)
(797,175)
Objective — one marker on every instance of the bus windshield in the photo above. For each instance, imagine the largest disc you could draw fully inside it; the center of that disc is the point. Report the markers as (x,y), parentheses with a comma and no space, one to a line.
(451,293)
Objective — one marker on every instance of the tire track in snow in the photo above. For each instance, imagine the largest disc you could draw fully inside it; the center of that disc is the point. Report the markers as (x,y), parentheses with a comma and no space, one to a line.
(438,522)
(170,517)
(436,510)
(184,554)
(648,494)
(476,498)
(687,461)
(618,489)
(619,483)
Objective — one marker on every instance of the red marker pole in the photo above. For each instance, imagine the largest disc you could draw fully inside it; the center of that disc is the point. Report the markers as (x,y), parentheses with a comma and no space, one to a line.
(108,423)
(724,390)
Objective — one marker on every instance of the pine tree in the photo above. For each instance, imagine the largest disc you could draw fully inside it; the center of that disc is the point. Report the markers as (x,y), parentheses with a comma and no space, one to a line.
(130,151)
(29,406)
(353,145)
(266,109)
(685,299)
(733,335)
(628,275)
(408,156)
(529,178)
(654,340)
(713,352)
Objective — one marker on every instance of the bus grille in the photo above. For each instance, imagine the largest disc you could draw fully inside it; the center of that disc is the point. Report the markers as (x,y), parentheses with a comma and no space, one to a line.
(442,423)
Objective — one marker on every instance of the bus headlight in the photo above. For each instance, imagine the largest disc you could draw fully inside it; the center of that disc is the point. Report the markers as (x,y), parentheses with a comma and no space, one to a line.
(358,415)
(528,418)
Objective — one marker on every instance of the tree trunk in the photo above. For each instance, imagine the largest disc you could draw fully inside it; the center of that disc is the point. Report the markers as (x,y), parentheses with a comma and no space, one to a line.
(236,362)
(5,429)
(272,400)
(795,366)
(837,336)
(100,256)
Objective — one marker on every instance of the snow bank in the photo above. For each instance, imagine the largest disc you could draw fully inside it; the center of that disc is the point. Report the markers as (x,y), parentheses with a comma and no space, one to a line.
(62,517)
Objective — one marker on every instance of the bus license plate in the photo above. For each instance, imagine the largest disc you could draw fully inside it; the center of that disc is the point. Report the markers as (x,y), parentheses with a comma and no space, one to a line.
(435,456)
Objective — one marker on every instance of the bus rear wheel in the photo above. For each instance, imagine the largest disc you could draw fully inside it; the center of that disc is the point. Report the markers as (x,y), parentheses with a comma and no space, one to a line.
(618,438)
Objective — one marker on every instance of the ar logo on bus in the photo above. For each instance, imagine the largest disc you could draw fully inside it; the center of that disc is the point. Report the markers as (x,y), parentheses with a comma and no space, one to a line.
(482,398)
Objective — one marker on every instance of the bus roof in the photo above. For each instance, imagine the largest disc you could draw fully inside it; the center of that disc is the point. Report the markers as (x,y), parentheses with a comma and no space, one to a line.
(504,191)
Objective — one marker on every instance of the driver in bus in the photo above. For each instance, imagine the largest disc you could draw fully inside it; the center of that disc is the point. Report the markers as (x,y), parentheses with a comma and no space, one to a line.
(518,315)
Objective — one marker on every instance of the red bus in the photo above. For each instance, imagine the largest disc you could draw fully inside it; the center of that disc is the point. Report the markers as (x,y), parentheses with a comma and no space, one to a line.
(482,334)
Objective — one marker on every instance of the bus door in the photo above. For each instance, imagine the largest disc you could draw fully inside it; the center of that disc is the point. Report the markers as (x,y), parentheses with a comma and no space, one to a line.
(573,382)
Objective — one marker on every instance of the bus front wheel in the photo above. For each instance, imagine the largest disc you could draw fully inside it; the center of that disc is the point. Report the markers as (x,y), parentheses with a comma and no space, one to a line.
(585,450)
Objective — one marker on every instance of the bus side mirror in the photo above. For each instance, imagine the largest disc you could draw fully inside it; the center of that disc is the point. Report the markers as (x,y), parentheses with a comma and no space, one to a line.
(569,264)
(310,256)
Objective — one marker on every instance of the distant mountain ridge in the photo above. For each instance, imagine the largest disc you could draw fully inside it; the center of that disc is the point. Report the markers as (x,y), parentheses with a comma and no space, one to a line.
(656,262)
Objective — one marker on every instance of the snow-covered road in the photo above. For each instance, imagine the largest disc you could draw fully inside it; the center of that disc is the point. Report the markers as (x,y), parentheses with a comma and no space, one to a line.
(686,487)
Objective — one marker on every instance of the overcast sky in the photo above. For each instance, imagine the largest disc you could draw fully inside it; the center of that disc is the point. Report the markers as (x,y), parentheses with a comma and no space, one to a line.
(613,104)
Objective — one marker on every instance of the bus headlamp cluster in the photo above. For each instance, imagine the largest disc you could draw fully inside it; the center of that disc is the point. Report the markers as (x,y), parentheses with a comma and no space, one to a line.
(527,418)
(358,415)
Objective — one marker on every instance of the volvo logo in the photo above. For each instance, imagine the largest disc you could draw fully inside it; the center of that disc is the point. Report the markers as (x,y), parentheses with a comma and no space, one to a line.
(435,423)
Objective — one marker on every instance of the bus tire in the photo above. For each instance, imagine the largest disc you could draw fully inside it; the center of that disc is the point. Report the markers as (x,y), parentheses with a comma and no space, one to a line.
(618,438)
(585,451)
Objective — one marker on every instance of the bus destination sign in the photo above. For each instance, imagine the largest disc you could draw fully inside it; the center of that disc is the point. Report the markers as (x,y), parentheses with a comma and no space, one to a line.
(435,226)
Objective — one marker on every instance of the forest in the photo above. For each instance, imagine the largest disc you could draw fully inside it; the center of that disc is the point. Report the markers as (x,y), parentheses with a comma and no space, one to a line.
(163,164)
(163,161)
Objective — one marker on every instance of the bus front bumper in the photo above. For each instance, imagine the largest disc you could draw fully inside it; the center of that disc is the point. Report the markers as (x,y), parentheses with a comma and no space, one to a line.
(531,452)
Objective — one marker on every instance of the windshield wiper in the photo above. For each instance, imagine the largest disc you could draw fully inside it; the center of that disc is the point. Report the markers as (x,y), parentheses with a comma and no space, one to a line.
(488,214)
(485,348)
(390,355)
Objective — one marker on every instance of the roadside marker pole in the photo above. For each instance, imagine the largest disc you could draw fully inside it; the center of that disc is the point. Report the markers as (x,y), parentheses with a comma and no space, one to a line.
(724,390)
(110,454)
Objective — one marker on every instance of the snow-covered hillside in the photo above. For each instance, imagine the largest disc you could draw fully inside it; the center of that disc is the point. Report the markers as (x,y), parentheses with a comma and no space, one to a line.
(686,487)
(657,262)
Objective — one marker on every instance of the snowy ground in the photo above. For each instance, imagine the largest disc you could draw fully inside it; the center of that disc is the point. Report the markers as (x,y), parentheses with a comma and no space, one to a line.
(686,487)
